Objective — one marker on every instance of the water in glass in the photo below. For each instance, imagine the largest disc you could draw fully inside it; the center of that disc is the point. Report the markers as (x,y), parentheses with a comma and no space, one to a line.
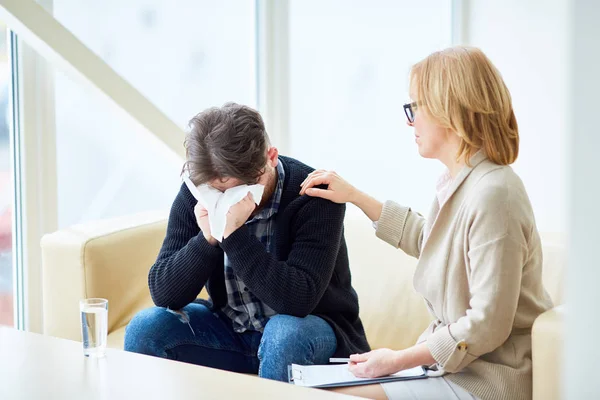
(94,324)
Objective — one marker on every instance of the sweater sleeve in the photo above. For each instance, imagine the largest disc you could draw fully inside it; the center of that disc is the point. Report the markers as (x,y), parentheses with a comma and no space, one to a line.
(401,227)
(497,254)
(296,285)
(186,259)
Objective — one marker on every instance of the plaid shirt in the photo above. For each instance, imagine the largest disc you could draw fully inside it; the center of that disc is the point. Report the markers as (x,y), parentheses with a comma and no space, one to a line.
(244,309)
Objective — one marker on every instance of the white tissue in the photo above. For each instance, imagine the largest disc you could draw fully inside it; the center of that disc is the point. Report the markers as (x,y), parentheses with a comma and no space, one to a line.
(218,203)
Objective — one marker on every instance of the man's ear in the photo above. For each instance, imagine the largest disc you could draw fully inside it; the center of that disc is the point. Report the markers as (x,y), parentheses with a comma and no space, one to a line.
(272,156)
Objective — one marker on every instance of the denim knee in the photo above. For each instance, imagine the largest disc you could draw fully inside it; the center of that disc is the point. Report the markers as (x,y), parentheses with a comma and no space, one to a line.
(287,339)
(144,332)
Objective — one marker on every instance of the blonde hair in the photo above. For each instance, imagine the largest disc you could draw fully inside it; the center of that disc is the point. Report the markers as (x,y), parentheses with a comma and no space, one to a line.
(461,90)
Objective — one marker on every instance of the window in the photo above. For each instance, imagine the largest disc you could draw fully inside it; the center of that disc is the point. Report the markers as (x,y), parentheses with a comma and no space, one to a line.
(348,81)
(183,58)
(79,158)
(348,67)
(6,189)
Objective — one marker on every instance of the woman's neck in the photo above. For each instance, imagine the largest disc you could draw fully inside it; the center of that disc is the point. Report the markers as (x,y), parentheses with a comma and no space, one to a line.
(450,159)
(454,168)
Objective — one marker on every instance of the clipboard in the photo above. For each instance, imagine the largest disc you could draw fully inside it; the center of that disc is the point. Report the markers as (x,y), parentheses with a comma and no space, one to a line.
(328,376)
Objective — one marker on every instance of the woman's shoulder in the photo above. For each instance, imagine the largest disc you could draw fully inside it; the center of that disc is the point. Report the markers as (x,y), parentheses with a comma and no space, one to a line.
(493,183)
(498,193)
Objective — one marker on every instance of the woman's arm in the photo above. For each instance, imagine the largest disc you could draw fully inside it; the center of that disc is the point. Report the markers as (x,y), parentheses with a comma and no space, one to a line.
(369,205)
(495,286)
(397,225)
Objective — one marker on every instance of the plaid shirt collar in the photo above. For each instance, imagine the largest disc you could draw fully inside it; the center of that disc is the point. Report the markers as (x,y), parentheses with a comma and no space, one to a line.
(273,206)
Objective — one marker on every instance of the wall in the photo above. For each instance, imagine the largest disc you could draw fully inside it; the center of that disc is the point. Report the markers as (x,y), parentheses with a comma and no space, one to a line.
(527,41)
(583,274)
(349,67)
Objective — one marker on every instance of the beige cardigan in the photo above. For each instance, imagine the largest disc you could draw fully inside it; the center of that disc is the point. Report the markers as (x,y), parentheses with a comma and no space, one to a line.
(480,272)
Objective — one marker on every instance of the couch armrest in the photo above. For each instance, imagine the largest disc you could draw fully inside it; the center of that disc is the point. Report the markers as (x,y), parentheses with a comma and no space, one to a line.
(108,258)
(547,350)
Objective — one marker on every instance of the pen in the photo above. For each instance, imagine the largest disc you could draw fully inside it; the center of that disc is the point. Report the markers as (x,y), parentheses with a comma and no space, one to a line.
(339,360)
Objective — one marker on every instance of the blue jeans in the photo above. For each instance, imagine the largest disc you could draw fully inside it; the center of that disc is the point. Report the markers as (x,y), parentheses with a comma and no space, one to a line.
(196,335)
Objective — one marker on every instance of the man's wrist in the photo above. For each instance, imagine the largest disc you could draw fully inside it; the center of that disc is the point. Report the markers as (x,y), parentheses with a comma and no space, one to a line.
(211,240)
(230,231)
(242,231)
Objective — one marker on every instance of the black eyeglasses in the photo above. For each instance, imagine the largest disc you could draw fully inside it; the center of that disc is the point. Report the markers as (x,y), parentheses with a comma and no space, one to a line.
(409,110)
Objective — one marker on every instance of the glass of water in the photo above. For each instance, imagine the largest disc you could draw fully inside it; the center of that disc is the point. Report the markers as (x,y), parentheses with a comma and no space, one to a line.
(94,326)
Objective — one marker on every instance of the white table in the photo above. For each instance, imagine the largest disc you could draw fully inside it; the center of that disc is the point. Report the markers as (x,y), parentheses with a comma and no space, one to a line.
(34,366)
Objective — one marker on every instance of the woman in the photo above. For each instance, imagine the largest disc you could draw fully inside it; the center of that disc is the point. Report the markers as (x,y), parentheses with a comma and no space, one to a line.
(479,251)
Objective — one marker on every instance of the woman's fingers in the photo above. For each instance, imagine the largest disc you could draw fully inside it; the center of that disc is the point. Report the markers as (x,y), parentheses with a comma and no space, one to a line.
(313,174)
(322,193)
(358,370)
(323,179)
(358,364)
(358,358)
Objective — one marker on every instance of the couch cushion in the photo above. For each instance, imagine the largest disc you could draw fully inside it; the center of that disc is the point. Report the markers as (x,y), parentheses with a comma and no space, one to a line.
(555,262)
(393,314)
(116,339)
(107,258)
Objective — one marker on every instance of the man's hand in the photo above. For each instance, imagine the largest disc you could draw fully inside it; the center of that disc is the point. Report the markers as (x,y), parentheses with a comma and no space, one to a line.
(204,224)
(238,214)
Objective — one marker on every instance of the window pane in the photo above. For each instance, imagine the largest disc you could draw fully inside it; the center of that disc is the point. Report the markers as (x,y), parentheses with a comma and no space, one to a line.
(349,79)
(183,56)
(107,165)
(6,189)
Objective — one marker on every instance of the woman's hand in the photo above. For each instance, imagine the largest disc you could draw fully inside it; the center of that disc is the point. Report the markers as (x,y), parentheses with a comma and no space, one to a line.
(338,191)
(376,363)
(383,362)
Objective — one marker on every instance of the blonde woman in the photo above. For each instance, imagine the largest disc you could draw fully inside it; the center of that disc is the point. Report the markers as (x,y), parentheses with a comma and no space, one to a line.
(479,251)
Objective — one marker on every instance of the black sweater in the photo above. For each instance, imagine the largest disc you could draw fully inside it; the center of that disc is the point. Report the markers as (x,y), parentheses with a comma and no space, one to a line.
(307,274)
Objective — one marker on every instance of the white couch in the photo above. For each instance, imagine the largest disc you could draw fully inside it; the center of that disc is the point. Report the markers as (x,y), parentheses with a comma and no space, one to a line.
(111,258)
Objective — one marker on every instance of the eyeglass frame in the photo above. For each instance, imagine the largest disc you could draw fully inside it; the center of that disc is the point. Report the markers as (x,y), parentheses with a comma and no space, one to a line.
(409,111)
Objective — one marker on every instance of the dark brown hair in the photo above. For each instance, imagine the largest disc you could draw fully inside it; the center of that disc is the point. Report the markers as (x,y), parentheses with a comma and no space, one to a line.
(226,142)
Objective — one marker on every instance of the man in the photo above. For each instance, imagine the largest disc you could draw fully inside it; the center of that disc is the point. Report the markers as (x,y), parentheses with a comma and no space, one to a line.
(279,282)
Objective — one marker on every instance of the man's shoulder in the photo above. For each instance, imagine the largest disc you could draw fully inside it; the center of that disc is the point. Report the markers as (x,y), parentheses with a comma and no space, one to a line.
(184,201)
(296,171)
(294,167)
(309,208)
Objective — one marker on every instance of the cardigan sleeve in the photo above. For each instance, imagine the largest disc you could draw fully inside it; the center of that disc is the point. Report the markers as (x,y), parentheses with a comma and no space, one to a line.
(401,227)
